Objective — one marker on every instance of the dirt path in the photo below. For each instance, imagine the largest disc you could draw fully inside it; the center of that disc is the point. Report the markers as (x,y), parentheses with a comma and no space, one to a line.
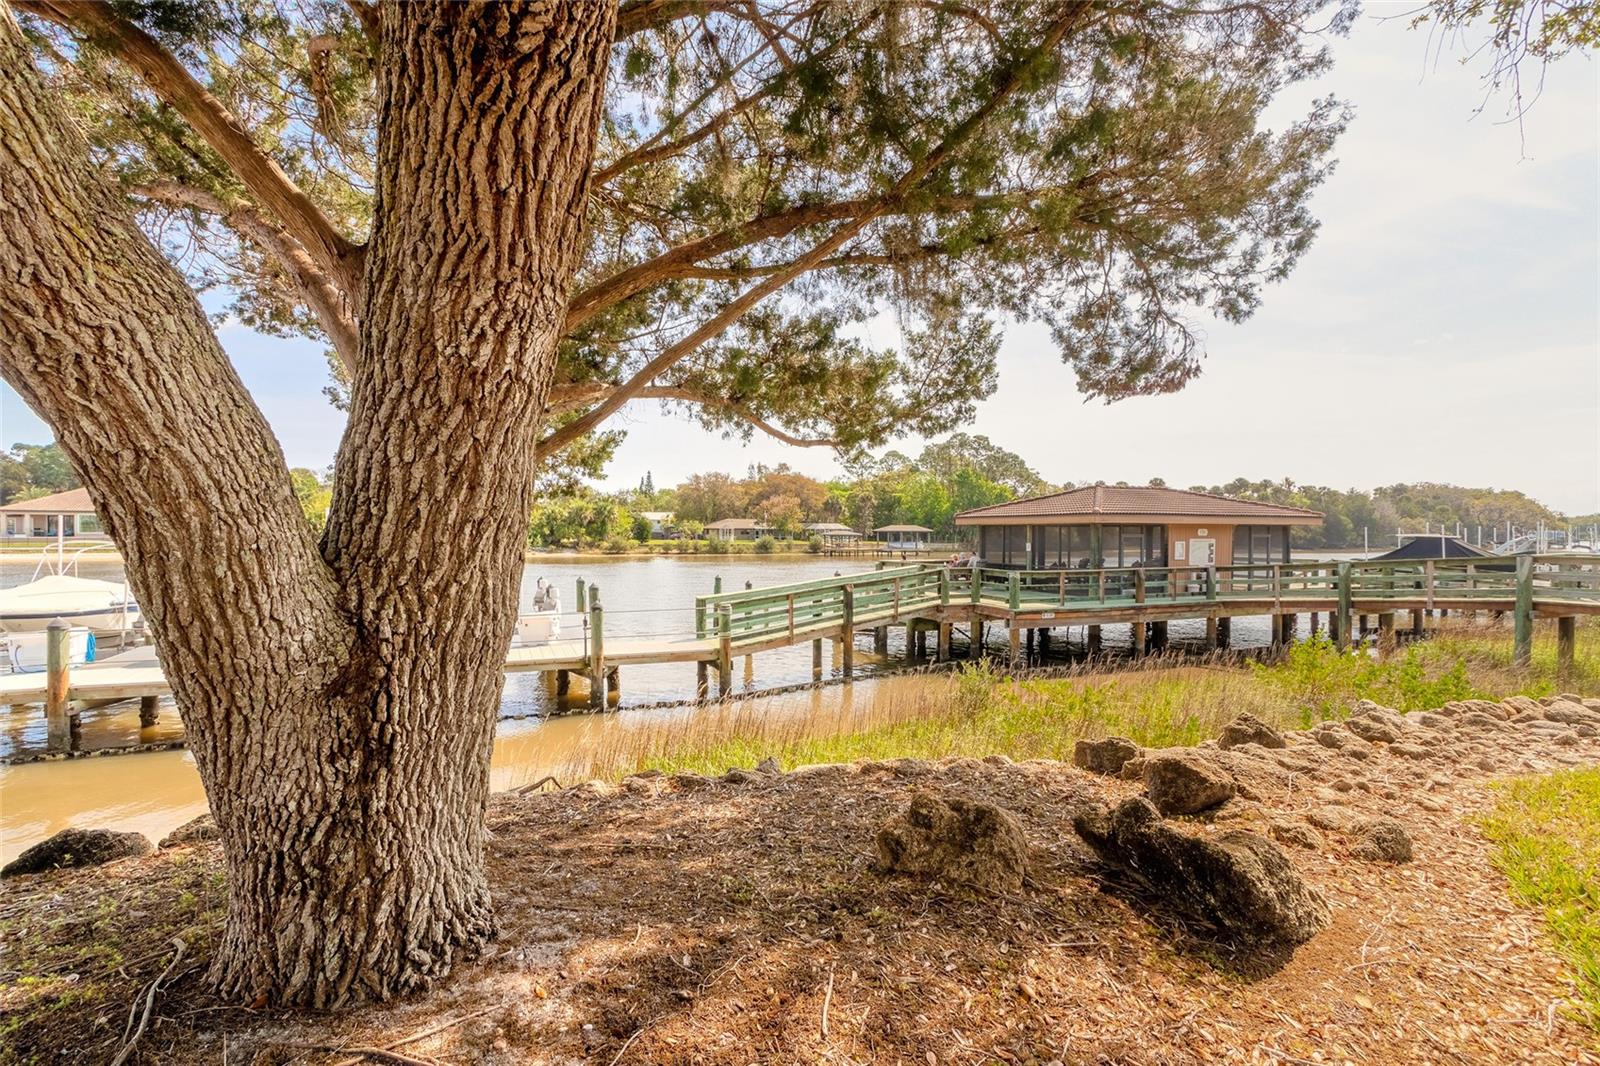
(683,920)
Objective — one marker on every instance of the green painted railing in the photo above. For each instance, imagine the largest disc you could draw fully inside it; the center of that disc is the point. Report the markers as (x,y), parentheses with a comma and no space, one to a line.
(758,615)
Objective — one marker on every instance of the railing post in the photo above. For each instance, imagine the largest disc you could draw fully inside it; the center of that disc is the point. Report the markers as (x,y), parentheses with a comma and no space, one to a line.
(700,617)
(977,585)
(1522,654)
(944,588)
(847,640)
(1211,583)
(581,599)
(1341,618)
(597,652)
(724,647)
(1427,584)
(1138,587)
(58,684)
(1277,588)
(1015,590)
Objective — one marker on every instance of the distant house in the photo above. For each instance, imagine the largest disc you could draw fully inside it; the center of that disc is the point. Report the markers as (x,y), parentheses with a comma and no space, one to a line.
(660,522)
(833,534)
(1103,526)
(903,537)
(63,514)
(737,529)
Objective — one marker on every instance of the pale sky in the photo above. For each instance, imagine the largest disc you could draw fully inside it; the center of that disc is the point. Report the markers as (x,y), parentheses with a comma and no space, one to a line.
(1444,327)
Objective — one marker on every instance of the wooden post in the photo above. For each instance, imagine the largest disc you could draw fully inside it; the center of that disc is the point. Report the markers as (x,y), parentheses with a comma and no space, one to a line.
(1158,634)
(1385,634)
(1523,653)
(724,647)
(847,639)
(1211,583)
(614,684)
(1016,644)
(1094,640)
(1362,626)
(1276,621)
(944,587)
(1417,624)
(1044,642)
(1339,621)
(563,685)
(716,586)
(1225,631)
(1014,592)
(975,641)
(147,711)
(749,669)
(597,652)
(581,599)
(1316,623)
(880,639)
(702,680)
(816,659)
(1139,642)
(944,642)
(1566,643)
(58,683)
(1211,632)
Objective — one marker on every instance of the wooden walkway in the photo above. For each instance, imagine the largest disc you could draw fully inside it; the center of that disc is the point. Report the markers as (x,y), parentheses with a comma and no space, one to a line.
(930,599)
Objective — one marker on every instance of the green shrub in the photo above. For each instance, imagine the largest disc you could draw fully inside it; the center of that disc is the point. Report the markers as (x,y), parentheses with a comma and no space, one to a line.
(766,545)
(618,545)
(814,545)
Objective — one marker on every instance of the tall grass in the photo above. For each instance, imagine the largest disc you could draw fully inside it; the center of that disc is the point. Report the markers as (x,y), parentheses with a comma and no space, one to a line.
(982,709)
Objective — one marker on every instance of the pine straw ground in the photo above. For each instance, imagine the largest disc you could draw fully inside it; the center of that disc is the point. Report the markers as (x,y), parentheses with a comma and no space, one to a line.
(686,921)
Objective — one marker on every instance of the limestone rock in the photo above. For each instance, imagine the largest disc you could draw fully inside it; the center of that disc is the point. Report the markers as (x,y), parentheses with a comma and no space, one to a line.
(1105,756)
(1381,840)
(1330,735)
(689,782)
(1240,882)
(1572,712)
(1372,729)
(77,847)
(1248,729)
(1334,819)
(1183,781)
(1298,834)
(770,766)
(194,831)
(956,839)
(1410,751)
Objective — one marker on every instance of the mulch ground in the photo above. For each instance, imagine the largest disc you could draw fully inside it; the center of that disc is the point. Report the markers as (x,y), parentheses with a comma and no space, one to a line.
(686,920)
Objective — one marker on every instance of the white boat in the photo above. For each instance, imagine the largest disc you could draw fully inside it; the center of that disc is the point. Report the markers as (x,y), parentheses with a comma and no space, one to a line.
(100,606)
(544,624)
(27,653)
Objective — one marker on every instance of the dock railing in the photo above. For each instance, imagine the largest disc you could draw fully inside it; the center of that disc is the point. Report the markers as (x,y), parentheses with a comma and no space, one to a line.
(792,611)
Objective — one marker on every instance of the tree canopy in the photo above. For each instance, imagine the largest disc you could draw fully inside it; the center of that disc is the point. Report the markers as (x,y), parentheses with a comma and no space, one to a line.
(1102,168)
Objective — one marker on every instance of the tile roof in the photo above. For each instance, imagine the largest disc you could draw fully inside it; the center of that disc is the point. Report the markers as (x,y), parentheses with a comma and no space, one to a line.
(1112,500)
(73,501)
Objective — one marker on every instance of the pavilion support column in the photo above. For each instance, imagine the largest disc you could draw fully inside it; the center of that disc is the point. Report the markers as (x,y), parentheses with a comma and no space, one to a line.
(1211,633)
(1385,634)
(1137,632)
(1158,635)
(1316,623)
(880,640)
(1016,643)
(1418,623)
(1044,642)
(1030,639)
(944,642)
(1291,627)
(975,642)
(1225,631)
(1566,644)
(1094,640)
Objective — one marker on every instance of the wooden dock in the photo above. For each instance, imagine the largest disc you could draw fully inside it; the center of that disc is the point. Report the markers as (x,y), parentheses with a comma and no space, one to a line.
(931,599)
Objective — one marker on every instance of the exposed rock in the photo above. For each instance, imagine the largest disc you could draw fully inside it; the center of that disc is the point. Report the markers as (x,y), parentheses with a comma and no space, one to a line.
(957,839)
(1248,729)
(998,760)
(1381,840)
(1240,882)
(737,776)
(689,782)
(195,831)
(1331,735)
(1106,756)
(1480,720)
(1572,713)
(1183,781)
(1334,819)
(1297,834)
(1410,751)
(1133,769)
(1372,729)
(77,847)
(1513,704)
(769,765)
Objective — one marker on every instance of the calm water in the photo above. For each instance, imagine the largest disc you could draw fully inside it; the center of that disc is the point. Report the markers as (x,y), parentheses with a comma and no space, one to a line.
(154,792)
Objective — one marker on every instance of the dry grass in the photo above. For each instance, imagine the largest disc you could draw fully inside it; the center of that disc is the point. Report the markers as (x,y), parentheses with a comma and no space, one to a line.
(1163,700)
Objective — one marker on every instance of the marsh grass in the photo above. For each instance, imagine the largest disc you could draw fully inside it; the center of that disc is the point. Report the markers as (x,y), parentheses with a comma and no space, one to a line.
(1162,700)
(1548,832)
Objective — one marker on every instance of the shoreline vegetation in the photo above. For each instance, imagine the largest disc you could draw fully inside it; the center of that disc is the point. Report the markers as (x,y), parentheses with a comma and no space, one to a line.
(1161,700)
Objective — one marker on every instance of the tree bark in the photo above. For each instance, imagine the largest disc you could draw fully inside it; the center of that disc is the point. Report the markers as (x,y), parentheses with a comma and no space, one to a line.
(340,702)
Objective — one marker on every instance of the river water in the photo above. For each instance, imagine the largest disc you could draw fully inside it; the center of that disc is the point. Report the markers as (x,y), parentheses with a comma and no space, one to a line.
(153,792)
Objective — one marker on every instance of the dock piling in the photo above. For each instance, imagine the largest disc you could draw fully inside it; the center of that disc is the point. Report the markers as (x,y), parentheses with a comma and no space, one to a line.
(597,652)
(1566,644)
(1385,634)
(58,683)
(1522,655)
(147,711)
(847,635)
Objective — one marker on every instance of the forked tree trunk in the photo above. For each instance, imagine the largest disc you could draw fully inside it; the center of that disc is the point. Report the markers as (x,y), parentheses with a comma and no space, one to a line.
(340,703)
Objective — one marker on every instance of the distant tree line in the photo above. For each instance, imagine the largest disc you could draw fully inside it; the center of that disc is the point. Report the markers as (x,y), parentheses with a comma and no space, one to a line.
(29,471)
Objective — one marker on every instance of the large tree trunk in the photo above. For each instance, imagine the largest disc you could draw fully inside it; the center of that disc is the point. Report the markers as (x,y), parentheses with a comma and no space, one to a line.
(340,708)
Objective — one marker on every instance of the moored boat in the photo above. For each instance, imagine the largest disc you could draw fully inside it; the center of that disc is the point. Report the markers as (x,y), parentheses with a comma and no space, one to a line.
(101,606)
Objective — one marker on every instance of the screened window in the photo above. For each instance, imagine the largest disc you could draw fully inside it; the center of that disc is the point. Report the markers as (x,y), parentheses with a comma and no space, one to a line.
(993,544)
(1016,546)
(1260,545)
(1005,545)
